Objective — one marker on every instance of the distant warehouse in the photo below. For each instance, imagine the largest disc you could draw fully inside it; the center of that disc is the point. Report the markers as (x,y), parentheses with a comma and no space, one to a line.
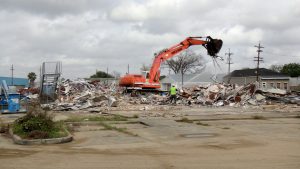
(18,82)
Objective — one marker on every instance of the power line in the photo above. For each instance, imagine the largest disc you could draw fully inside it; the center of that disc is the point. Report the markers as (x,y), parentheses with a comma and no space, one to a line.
(258,59)
(229,59)
(282,55)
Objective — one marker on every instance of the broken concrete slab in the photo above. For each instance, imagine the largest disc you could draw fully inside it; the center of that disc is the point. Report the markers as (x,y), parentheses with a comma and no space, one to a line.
(275,91)
(112,102)
(259,97)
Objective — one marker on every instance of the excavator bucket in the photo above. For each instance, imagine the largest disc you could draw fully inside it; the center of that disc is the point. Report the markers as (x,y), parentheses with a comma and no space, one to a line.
(213,46)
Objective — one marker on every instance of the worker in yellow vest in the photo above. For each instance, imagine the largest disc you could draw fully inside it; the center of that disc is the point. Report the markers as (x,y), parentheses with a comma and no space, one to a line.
(173,92)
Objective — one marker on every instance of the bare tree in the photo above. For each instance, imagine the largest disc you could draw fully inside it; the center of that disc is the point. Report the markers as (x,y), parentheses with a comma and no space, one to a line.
(276,68)
(145,68)
(116,74)
(187,61)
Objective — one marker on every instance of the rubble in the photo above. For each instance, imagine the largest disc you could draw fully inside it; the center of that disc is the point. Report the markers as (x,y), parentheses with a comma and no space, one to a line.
(80,94)
(98,97)
(112,102)
(276,91)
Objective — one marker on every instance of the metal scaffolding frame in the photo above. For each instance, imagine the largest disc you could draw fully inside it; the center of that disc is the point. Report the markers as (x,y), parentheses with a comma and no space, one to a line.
(50,74)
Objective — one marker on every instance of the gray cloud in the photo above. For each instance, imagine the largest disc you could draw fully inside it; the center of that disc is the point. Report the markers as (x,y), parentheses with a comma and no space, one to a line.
(88,35)
(55,8)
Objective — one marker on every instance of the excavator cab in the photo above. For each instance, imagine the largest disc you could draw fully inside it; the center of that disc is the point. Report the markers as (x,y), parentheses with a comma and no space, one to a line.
(213,46)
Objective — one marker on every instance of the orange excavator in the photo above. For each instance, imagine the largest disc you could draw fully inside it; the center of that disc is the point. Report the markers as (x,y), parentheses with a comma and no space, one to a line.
(151,80)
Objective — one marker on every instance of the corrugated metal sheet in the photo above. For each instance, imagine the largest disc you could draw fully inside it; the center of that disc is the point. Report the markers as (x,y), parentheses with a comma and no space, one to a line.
(17,81)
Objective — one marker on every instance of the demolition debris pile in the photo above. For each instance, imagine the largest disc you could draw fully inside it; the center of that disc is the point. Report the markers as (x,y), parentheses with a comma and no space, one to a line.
(233,95)
(220,95)
(80,94)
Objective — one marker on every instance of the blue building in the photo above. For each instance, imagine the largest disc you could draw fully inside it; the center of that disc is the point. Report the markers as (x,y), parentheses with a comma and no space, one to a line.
(18,82)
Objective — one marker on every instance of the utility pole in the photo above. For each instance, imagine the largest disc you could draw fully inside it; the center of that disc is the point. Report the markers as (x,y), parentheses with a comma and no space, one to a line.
(107,75)
(229,59)
(258,59)
(12,74)
(128,69)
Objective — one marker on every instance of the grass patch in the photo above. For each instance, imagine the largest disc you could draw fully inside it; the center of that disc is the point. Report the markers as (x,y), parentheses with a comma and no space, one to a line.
(185,120)
(97,118)
(135,116)
(258,117)
(131,122)
(122,130)
(226,128)
(202,124)
(102,119)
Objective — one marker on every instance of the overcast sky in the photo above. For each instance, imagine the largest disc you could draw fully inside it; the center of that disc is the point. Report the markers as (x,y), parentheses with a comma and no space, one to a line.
(86,35)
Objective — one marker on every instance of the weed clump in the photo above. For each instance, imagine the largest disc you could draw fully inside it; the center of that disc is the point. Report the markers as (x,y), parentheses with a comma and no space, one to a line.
(97,118)
(202,124)
(258,117)
(38,124)
(185,120)
(122,130)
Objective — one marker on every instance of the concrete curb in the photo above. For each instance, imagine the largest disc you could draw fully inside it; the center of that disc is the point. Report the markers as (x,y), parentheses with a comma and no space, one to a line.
(19,140)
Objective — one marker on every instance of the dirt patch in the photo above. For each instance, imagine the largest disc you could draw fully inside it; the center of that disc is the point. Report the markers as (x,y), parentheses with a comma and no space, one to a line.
(234,145)
(14,153)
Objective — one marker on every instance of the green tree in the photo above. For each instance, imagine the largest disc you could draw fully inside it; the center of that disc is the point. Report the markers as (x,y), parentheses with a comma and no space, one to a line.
(31,77)
(292,69)
(101,74)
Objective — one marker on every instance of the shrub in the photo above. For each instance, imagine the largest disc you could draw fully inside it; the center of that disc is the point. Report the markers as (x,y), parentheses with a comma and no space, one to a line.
(31,122)
(38,126)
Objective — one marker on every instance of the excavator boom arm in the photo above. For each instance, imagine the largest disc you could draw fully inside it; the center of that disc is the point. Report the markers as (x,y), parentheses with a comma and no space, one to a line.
(213,46)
